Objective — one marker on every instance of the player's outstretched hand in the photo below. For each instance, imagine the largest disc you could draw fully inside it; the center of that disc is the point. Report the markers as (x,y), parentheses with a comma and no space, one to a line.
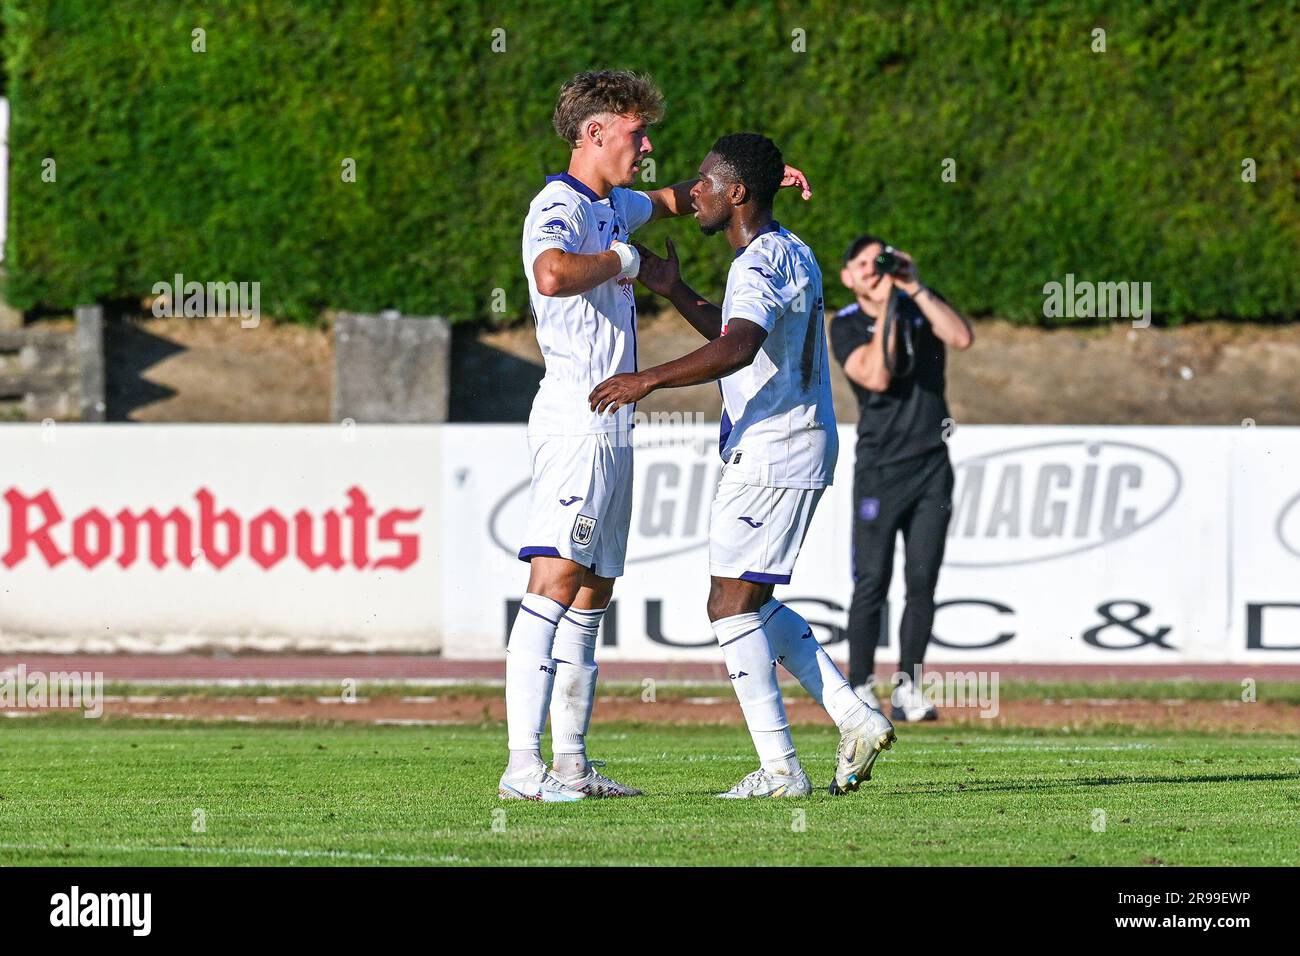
(658,274)
(794,177)
(619,390)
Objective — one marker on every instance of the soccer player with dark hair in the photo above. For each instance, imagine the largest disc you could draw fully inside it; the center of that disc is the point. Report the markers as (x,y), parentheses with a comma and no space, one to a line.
(767,348)
(891,342)
(580,265)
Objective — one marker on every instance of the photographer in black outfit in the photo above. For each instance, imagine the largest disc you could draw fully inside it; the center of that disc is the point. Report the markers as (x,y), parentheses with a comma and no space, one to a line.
(891,342)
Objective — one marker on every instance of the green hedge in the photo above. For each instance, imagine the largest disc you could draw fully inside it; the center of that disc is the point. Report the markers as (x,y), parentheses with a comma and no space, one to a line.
(225,165)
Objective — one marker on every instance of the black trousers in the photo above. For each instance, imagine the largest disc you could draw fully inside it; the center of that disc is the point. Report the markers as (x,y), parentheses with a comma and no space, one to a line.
(914,497)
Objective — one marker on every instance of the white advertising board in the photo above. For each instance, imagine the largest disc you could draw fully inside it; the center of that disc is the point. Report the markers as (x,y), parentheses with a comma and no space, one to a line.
(1067,544)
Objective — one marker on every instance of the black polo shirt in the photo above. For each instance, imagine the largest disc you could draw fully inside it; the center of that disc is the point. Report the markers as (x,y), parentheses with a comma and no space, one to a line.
(907,419)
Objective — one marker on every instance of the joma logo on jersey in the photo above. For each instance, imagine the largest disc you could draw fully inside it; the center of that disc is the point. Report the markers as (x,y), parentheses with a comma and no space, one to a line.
(751,522)
(583,529)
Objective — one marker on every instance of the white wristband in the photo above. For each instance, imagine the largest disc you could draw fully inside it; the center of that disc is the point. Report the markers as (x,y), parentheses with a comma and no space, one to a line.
(629,257)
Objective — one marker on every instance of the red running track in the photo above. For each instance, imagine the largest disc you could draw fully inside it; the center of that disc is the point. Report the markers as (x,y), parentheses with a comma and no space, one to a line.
(276,667)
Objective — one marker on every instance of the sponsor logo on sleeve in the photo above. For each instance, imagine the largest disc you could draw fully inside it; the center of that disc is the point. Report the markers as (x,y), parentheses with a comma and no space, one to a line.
(554,227)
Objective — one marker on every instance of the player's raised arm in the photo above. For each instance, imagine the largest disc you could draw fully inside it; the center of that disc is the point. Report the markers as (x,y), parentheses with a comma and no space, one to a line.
(663,276)
(675,200)
(731,351)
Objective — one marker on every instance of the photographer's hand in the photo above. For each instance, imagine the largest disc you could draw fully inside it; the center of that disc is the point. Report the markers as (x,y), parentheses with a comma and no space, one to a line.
(906,278)
(950,327)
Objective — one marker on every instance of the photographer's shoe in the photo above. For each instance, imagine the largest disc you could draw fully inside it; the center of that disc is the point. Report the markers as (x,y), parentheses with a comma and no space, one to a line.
(867,694)
(910,705)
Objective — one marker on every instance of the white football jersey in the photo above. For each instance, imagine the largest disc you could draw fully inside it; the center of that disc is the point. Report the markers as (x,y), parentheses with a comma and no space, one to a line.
(589,337)
(778,418)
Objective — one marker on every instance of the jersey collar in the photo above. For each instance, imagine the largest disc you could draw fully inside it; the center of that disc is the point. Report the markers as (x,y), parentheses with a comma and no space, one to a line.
(577,185)
(772,226)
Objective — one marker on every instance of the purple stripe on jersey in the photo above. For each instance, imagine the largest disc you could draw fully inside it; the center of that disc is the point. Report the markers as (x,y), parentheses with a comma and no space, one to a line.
(759,577)
(725,431)
(772,226)
(575,184)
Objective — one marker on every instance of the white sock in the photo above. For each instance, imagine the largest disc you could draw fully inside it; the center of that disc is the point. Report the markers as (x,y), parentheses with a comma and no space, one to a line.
(799,653)
(575,688)
(530,673)
(753,676)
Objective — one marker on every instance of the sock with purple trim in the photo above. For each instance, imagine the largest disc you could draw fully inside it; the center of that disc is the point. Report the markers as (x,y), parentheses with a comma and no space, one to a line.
(753,676)
(575,688)
(798,652)
(530,674)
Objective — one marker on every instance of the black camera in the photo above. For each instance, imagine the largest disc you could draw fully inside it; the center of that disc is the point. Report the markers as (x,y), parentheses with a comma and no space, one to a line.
(888,262)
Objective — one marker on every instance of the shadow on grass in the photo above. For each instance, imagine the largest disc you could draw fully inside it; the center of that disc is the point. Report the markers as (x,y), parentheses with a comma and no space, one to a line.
(1115,781)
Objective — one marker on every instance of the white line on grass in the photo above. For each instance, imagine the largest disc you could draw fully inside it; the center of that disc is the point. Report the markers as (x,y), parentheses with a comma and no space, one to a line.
(278,852)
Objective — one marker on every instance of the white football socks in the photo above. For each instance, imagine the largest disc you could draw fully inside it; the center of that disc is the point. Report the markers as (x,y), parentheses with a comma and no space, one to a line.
(575,688)
(798,652)
(753,675)
(530,674)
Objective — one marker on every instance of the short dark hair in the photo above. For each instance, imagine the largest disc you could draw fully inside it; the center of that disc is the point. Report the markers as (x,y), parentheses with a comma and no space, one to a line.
(860,243)
(754,161)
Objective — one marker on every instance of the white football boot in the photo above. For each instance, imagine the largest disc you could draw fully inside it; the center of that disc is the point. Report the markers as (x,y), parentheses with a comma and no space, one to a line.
(909,704)
(763,783)
(534,783)
(858,750)
(595,784)
(867,694)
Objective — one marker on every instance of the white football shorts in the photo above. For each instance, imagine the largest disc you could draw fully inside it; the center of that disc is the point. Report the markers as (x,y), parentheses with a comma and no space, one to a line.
(755,532)
(580,500)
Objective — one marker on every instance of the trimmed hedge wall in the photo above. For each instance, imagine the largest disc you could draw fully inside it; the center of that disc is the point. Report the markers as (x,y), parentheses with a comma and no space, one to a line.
(225,165)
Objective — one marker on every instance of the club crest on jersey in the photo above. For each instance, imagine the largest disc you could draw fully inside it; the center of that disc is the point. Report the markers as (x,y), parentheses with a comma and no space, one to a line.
(583,529)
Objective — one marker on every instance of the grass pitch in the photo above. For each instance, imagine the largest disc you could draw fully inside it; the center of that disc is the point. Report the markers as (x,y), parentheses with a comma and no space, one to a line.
(121,793)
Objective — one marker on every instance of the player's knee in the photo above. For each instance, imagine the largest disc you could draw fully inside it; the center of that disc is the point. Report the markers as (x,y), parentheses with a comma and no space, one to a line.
(728,598)
(555,578)
(602,589)
(722,603)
